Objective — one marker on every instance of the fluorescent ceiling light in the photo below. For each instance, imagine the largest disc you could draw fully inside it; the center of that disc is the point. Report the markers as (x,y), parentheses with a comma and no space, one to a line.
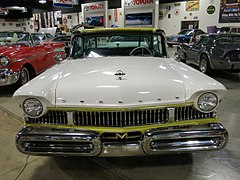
(42,1)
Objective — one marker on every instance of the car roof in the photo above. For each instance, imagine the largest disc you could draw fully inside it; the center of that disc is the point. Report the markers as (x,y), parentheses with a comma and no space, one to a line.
(230,27)
(221,34)
(119,30)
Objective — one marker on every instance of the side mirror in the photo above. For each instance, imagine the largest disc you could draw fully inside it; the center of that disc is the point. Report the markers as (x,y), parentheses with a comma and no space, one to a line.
(37,43)
(58,58)
(176,56)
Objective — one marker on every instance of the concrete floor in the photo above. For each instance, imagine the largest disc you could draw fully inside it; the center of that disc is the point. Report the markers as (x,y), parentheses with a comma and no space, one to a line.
(214,165)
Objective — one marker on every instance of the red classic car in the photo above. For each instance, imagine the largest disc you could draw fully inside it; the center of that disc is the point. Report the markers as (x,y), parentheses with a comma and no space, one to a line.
(25,59)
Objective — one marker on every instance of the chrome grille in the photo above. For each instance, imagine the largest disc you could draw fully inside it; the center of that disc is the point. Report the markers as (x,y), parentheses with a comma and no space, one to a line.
(51,117)
(189,112)
(137,117)
(121,118)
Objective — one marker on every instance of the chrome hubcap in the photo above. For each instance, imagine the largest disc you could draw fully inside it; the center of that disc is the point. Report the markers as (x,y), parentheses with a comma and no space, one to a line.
(24,76)
(203,65)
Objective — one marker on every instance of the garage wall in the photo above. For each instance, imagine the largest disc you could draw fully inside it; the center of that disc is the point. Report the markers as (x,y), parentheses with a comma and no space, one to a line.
(172,25)
(18,24)
(72,19)
(115,17)
(13,25)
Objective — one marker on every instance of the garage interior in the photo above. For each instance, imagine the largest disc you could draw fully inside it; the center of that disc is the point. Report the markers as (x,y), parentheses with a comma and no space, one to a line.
(216,165)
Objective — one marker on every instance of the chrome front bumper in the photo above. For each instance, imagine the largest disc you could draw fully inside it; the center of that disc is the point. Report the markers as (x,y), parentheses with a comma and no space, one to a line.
(72,142)
(8,77)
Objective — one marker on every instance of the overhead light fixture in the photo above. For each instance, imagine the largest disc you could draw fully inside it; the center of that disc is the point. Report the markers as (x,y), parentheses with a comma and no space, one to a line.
(42,1)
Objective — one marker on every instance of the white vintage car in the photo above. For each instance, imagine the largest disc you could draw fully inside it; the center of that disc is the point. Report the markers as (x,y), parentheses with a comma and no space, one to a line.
(120,101)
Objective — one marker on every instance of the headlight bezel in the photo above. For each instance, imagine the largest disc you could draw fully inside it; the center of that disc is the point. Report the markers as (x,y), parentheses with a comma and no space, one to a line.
(41,110)
(198,104)
(7,61)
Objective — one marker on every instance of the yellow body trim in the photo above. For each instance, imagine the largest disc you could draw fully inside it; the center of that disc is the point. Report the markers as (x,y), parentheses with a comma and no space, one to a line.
(142,129)
(105,30)
(119,109)
(118,29)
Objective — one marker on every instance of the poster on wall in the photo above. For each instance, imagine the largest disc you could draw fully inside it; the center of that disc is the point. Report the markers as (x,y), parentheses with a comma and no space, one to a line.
(63,3)
(138,19)
(95,20)
(229,11)
(192,5)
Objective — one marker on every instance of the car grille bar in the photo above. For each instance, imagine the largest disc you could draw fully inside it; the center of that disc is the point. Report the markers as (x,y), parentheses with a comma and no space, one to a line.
(122,118)
(51,117)
(189,112)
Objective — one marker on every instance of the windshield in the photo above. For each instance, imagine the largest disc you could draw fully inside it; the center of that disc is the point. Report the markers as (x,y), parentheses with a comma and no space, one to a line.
(92,46)
(224,29)
(7,38)
(228,40)
(38,36)
(185,32)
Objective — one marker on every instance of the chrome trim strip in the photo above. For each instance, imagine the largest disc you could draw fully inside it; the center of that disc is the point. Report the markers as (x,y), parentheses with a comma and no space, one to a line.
(36,55)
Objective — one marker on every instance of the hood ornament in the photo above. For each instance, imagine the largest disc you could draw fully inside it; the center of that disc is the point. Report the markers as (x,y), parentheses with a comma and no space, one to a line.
(120,75)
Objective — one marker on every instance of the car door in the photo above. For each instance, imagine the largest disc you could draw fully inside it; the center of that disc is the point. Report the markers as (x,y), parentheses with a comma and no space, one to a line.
(196,48)
(49,54)
(40,56)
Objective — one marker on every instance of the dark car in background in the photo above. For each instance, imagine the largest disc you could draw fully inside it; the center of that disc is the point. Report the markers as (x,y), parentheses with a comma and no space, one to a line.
(66,39)
(184,36)
(213,52)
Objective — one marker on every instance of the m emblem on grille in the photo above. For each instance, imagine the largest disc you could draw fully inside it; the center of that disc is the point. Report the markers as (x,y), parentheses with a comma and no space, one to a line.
(121,136)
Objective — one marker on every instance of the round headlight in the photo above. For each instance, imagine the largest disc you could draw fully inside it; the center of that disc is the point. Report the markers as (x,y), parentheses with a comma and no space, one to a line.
(207,102)
(4,61)
(32,107)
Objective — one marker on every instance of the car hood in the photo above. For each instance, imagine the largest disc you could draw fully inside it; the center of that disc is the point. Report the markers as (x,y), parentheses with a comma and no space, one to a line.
(93,82)
(10,50)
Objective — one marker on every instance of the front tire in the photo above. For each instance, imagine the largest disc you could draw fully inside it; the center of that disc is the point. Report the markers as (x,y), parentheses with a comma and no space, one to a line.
(204,65)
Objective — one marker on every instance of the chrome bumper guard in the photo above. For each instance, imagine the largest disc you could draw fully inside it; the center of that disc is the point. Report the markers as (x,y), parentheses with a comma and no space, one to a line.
(72,142)
(8,77)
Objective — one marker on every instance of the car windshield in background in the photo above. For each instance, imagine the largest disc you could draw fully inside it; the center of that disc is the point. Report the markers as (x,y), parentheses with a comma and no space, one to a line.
(185,32)
(7,38)
(118,45)
(224,29)
(62,39)
(228,40)
(37,36)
